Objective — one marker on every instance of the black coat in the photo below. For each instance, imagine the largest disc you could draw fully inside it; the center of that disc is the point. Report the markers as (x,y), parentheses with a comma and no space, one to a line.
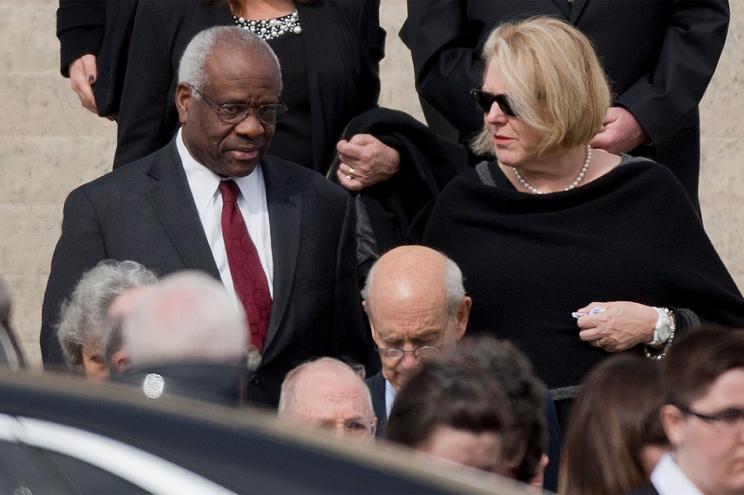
(145,212)
(659,56)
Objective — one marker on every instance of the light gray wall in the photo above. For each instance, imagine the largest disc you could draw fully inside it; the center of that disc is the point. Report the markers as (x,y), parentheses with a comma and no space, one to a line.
(49,145)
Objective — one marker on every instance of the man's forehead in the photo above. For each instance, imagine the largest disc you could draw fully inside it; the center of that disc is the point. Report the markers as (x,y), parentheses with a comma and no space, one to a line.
(410,332)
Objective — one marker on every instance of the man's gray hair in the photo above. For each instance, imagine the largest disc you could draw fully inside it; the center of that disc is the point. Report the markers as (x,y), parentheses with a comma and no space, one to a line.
(288,396)
(189,317)
(191,69)
(453,283)
(83,315)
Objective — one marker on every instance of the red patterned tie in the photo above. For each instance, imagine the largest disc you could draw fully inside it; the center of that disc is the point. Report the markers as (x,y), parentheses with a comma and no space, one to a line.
(248,276)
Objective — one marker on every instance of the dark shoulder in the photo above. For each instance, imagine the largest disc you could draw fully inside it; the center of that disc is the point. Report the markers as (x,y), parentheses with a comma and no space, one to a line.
(126,180)
(303,180)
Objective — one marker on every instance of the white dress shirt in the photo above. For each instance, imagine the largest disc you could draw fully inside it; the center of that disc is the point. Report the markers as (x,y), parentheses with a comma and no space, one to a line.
(204,185)
(390,394)
(668,478)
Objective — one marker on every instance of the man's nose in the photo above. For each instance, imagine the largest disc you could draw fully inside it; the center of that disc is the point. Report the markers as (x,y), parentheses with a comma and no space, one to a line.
(249,126)
(409,361)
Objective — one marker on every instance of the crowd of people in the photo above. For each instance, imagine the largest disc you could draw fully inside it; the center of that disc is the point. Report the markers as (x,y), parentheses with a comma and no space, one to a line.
(523,286)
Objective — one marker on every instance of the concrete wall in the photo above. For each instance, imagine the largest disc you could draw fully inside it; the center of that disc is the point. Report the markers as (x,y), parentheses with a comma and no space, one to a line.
(49,145)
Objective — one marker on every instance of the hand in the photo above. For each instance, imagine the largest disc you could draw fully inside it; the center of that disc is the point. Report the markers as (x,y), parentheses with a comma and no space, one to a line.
(365,161)
(620,132)
(622,325)
(83,74)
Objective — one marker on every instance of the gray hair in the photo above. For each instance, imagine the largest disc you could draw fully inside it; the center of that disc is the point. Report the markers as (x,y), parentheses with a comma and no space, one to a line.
(288,396)
(453,283)
(83,315)
(191,67)
(189,317)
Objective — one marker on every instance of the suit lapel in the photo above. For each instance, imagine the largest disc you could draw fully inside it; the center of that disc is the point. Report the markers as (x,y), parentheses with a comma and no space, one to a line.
(285,213)
(173,204)
(564,6)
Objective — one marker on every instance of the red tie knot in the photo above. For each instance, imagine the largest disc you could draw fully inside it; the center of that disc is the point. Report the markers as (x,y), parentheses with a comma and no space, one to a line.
(229,190)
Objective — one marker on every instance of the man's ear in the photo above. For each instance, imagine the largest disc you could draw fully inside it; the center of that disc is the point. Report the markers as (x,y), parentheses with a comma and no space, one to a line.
(463,316)
(184,97)
(371,323)
(672,420)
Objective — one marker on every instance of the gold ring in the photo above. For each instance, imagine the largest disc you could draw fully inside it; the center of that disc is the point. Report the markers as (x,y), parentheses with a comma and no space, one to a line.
(351,171)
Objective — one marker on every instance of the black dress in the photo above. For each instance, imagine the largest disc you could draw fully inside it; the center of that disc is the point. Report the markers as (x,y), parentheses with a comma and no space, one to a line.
(530,260)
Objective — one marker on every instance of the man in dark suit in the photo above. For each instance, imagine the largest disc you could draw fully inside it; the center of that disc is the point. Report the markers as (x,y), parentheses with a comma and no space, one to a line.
(416,305)
(659,56)
(279,236)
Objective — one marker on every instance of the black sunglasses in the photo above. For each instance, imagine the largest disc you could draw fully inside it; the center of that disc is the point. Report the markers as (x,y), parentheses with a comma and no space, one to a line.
(485,101)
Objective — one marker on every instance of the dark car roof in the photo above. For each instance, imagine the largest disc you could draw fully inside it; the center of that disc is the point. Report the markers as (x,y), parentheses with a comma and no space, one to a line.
(245,450)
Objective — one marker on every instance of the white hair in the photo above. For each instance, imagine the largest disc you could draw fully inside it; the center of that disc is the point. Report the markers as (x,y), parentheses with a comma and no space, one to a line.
(453,283)
(189,317)
(191,67)
(288,403)
(83,315)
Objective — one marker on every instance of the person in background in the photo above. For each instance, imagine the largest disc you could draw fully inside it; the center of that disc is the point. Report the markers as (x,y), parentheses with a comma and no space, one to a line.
(80,328)
(703,417)
(659,56)
(614,436)
(328,394)
(455,412)
(572,253)
(532,446)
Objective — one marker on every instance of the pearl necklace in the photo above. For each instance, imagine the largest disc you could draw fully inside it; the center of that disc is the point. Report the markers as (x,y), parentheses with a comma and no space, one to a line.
(269,29)
(573,185)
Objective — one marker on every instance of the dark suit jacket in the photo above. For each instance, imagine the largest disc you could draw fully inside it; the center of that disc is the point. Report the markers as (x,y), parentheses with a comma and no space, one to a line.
(343,45)
(145,212)
(648,489)
(376,386)
(659,56)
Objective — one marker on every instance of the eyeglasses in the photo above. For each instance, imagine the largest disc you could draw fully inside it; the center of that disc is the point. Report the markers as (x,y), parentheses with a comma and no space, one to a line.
(235,113)
(352,427)
(728,418)
(424,352)
(485,101)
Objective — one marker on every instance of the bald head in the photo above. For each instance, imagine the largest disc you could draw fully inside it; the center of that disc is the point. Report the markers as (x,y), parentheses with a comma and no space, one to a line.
(416,303)
(329,394)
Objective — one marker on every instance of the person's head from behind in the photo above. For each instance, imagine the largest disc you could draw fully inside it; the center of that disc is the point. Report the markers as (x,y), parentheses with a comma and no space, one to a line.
(525,443)
(456,412)
(416,303)
(613,421)
(187,318)
(228,99)
(703,414)
(81,325)
(329,394)
(544,91)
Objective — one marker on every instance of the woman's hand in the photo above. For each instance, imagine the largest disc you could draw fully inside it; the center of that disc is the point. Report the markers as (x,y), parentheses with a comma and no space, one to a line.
(620,326)
(83,74)
(365,161)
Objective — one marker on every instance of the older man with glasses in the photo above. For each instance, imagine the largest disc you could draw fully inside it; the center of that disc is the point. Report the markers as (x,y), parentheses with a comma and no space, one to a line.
(416,303)
(703,417)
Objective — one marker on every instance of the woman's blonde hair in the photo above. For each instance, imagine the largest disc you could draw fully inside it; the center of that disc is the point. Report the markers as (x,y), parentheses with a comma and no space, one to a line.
(553,79)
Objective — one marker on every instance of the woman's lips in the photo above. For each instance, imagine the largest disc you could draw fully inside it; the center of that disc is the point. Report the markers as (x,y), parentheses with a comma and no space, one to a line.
(502,139)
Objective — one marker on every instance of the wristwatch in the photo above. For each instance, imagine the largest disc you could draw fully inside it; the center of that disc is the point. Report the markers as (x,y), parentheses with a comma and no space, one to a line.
(663,328)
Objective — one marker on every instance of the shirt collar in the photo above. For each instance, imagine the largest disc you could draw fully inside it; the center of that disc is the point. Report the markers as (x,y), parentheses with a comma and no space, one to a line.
(669,479)
(204,183)
(390,394)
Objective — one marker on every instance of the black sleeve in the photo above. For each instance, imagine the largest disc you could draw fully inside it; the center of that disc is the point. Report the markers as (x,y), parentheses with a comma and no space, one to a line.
(445,47)
(80,29)
(79,248)
(145,96)
(693,42)
(372,50)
